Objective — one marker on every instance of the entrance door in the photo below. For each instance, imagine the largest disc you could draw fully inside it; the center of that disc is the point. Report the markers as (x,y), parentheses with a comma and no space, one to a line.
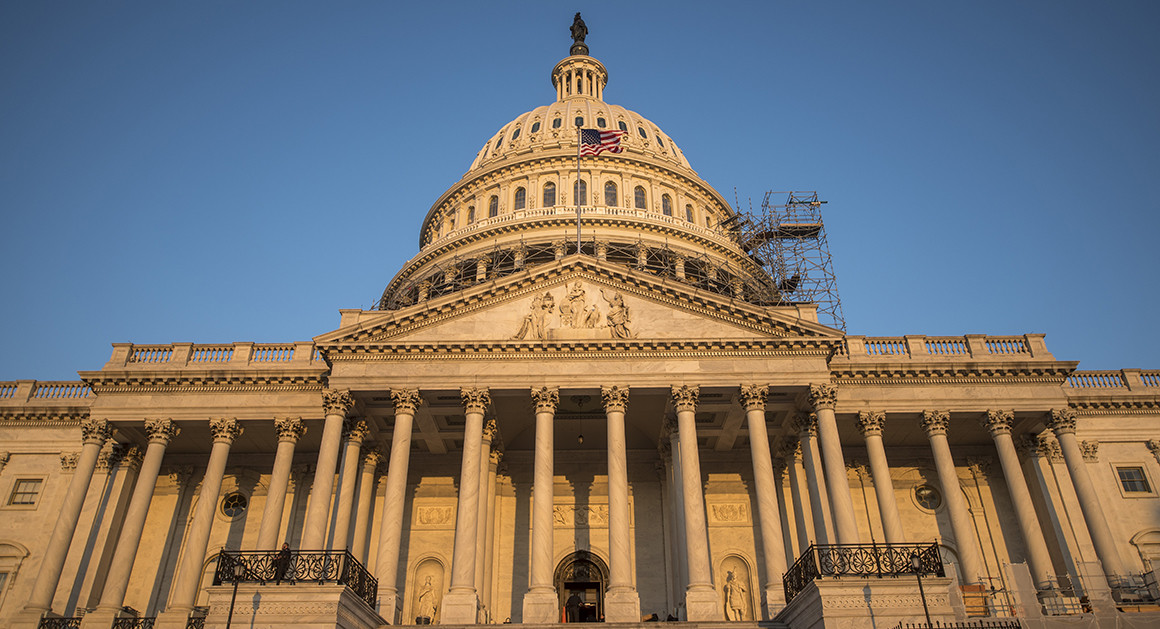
(580,581)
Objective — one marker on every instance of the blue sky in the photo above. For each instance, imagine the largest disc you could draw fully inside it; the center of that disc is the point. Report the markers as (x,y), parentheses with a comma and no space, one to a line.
(223,171)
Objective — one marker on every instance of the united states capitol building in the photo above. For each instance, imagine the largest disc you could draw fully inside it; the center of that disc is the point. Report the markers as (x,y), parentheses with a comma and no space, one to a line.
(545,422)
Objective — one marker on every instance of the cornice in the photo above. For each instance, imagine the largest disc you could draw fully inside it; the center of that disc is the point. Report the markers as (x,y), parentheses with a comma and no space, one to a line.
(604,350)
(42,416)
(1108,406)
(959,373)
(133,382)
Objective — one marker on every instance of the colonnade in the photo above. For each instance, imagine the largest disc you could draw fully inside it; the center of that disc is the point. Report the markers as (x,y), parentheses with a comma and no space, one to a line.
(814,461)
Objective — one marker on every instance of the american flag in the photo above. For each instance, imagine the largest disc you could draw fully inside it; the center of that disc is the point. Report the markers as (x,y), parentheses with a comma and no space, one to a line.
(595,141)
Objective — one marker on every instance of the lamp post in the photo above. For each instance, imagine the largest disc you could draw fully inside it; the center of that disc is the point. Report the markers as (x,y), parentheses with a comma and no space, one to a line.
(916,564)
(239,570)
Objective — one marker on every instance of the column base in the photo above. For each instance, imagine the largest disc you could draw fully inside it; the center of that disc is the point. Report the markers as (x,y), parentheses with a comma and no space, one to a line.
(703,604)
(99,618)
(389,607)
(29,618)
(621,605)
(541,606)
(460,608)
(172,619)
(774,601)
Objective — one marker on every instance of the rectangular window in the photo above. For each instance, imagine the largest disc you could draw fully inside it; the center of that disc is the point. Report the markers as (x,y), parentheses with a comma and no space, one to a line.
(1132,479)
(25,491)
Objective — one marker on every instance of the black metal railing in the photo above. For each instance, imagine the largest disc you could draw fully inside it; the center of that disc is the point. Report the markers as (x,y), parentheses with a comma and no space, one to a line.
(321,566)
(68,622)
(145,622)
(1007,623)
(860,560)
(195,622)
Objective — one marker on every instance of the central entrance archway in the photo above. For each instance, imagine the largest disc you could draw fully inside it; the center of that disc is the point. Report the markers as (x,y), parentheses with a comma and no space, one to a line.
(581,579)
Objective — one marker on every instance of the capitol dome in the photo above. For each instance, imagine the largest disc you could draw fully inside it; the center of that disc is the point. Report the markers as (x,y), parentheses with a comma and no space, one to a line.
(517,205)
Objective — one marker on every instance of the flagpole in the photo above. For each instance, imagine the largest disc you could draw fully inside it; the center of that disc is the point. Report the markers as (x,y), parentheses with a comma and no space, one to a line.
(577,191)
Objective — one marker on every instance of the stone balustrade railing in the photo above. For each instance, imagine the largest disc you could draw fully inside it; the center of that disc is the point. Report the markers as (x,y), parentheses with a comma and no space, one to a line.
(970,346)
(184,355)
(45,393)
(1123,379)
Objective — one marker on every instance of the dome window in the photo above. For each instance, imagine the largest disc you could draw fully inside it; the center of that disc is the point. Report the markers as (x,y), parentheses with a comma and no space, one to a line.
(667,205)
(689,213)
(623,126)
(581,192)
(579,121)
(493,207)
(550,193)
(556,123)
(498,143)
(640,130)
(536,126)
(521,200)
(659,140)
(600,123)
(516,133)
(638,198)
(610,194)
(471,214)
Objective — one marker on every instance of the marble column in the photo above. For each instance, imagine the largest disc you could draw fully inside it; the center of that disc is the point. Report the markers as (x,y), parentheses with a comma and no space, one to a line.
(461,604)
(701,600)
(188,576)
(823,398)
(406,401)
(935,424)
(621,602)
(489,436)
(1062,423)
(371,458)
(801,504)
(807,427)
(336,404)
(678,492)
(354,433)
(94,434)
(772,541)
(290,430)
(161,432)
(540,602)
(489,532)
(998,423)
(871,424)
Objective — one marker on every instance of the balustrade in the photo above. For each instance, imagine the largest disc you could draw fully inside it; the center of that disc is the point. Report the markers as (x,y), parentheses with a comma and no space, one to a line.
(954,346)
(1150,378)
(272,354)
(884,346)
(322,566)
(1096,380)
(7,390)
(860,560)
(60,390)
(60,622)
(134,623)
(151,354)
(211,353)
(1006,345)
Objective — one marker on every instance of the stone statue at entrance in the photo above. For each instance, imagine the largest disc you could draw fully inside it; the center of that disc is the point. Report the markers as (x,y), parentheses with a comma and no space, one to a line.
(735,599)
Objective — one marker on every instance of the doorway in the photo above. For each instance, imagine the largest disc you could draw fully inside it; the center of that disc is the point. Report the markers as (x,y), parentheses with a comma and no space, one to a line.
(580,582)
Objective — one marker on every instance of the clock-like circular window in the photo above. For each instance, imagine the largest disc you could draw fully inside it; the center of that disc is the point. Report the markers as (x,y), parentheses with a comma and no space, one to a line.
(234,505)
(928,497)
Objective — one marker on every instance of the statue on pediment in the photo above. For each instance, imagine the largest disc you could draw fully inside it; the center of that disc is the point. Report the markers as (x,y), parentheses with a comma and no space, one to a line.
(619,317)
(572,308)
(536,321)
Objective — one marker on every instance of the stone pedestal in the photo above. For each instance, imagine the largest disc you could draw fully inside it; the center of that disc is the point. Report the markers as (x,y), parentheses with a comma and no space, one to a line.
(541,607)
(621,606)
(703,604)
(459,608)
(774,600)
(854,603)
(302,605)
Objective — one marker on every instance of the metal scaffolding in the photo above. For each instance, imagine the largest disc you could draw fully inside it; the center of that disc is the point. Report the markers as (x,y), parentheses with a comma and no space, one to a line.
(789,241)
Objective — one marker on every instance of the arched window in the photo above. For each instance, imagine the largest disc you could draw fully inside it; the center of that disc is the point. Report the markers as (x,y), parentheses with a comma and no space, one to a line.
(556,123)
(535,126)
(610,194)
(521,198)
(493,206)
(623,126)
(689,213)
(516,133)
(640,130)
(580,190)
(666,205)
(638,198)
(600,122)
(498,143)
(549,194)
(471,214)
(659,140)
(579,121)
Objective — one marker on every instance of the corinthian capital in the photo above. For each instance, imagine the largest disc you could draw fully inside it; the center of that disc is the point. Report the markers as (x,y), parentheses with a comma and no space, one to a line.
(224,430)
(289,428)
(546,399)
(161,430)
(337,402)
(871,422)
(355,430)
(475,400)
(96,431)
(406,400)
(1062,421)
(753,396)
(614,398)
(490,431)
(997,422)
(68,460)
(806,424)
(372,456)
(685,397)
(823,396)
(935,422)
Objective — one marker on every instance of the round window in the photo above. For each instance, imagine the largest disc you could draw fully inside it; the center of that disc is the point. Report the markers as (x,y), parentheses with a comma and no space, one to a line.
(928,497)
(234,505)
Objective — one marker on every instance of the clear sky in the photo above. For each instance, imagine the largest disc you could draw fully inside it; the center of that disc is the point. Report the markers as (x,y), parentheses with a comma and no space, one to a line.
(238,171)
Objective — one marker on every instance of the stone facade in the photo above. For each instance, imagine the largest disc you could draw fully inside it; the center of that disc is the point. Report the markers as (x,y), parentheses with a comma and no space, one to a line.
(637,420)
